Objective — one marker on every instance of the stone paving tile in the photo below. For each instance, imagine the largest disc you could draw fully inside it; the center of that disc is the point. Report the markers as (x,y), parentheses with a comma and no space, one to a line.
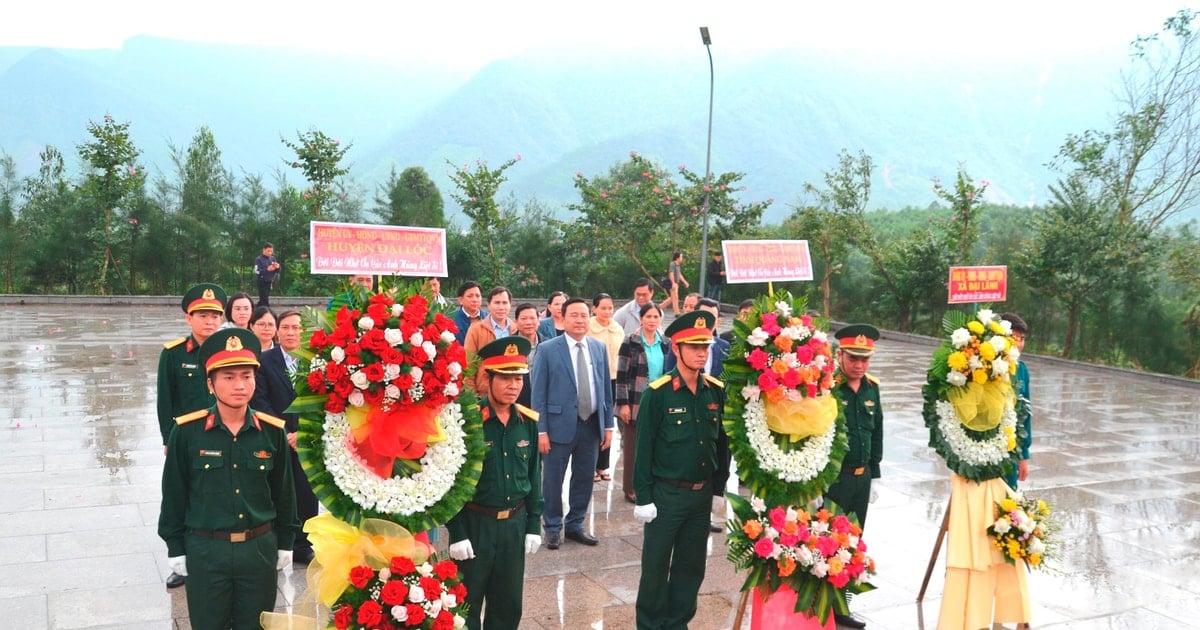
(81,457)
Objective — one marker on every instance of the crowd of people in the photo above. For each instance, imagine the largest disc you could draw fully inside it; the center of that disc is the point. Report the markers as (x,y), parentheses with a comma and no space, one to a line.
(553,386)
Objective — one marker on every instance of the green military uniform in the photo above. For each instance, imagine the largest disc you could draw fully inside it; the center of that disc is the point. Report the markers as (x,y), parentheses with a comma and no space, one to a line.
(682,461)
(228,505)
(864,427)
(508,501)
(181,377)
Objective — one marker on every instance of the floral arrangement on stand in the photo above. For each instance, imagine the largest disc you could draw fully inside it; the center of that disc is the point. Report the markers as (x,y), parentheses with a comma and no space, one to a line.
(819,556)
(787,434)
(1023,530)
(403,595)
(786,428)
(386,430)
(970,405)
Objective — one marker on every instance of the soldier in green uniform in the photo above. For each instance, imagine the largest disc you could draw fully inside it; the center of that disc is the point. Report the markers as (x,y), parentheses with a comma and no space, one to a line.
(228,511)
(680,470)
(491,535)
(181,384)
(859,394)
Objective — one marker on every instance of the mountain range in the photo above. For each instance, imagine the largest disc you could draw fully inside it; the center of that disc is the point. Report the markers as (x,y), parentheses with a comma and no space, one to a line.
(781,119)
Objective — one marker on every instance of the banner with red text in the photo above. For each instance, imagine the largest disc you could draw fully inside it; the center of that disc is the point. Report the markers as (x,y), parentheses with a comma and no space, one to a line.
(978,284)
(766,261)
(381,250)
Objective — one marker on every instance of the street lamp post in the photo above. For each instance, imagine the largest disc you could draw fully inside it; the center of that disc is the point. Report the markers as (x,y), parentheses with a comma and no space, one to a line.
(707,161)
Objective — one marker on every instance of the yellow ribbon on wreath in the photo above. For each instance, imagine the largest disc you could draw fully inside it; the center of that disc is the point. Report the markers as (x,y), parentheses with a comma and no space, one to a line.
(980,405)
(339,547)
(802,418)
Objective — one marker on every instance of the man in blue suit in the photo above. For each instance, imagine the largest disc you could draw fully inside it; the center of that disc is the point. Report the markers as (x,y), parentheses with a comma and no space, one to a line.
(575,420)
(716,360)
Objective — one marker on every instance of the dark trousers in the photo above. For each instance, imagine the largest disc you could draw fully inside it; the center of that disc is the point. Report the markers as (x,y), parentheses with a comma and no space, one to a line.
(673,557)
(580,455)
(853,494)
(306,502)
(264,292)
(230,584)
(628,446)
(496,575)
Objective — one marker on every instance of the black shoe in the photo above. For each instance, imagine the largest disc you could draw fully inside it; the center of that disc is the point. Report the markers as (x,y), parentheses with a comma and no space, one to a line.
(553,540)
(582,537)
(715,528)
(849,621)
(302,555)
(175,580)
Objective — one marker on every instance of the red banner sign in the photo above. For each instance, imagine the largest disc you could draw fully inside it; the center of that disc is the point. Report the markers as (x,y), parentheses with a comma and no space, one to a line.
(766,261)
(382,250)
(978,284)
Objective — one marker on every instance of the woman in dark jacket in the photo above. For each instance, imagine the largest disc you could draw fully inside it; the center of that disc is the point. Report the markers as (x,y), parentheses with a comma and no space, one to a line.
(640,360)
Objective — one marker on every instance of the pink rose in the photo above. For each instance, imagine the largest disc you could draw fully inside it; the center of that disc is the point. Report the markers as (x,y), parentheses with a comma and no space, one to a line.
(764,547)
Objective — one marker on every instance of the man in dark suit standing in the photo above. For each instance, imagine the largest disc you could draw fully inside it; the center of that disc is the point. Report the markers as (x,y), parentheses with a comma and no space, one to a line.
(575,409)
(274,393)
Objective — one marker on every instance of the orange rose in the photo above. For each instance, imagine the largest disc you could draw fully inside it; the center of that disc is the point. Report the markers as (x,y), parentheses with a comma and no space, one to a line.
(784,343)
(786,566)
(752,528)
(791,528)
(824,515)
(836,565)
(776,394)
(779,367)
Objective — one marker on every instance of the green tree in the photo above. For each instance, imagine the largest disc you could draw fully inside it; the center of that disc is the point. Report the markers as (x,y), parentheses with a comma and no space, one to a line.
(827,233)
(319,157)
(112,180)
(205,208)
(52,210)
(10,243)
(476,195)
(410,198)
(966,204)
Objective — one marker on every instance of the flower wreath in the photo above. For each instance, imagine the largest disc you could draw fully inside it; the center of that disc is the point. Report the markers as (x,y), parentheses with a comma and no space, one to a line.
(970,406)
(786,428)
(386,430)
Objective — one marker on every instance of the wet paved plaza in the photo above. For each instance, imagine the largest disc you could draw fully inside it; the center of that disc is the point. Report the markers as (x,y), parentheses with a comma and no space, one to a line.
(81,458)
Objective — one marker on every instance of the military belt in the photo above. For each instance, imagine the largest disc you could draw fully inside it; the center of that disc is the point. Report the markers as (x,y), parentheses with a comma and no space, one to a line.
(499,515)
(235,537)
(852,470)
(690,485)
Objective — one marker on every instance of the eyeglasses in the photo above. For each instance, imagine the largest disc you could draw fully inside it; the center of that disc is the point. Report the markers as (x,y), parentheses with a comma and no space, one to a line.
(1018,337)
(262,323)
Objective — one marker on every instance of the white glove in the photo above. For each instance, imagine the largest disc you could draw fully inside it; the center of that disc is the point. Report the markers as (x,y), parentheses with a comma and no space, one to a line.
(532,542)
(462,550)
(718,505)
(816,504)
(874,495)
(178,565)
(645,513)
(285,559)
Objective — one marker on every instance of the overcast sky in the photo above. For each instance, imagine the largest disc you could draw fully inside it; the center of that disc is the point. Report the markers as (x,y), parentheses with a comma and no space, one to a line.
(467,34)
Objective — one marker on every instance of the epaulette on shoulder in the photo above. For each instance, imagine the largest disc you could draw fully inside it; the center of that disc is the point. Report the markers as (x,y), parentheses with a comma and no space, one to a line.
(872,379)
(660,381)
(278,423)
(712,380)
(174,342)
(190,417)
(527,412)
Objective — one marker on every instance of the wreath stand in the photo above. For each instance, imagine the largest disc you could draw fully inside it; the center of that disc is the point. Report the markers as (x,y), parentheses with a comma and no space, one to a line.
(937,548)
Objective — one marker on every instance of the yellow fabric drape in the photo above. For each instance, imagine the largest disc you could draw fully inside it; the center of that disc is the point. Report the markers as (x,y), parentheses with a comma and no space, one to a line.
(802,418)
(979,406)
(981,587)
(339,547)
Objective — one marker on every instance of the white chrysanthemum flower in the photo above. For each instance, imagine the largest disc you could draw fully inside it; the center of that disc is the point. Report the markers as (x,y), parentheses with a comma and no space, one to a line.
(751,392)
(758,337)
(998,343)
(820,336)
(820,568)
(1006,326)
(393,336)
(758,505)
(986,315)
(999,367)
(960,337)
(956,378)
(366,323)
(975,362)
(783,308)
(1001,526)
(1014,355)
(337,354)
(1036,546)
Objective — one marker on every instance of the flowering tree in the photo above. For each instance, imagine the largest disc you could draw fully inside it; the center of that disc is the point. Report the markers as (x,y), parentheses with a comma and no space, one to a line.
(476,195)
(319,157)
